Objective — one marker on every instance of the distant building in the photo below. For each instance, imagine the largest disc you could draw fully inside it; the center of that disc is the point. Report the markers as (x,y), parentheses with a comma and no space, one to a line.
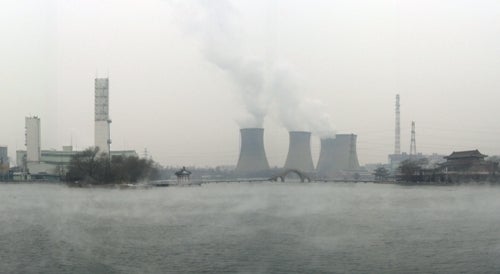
(54,163)
(469,162)
(4,155)
(102,132)
(33,139)
(460,167)
(395,160)
(183,175)
(4,163)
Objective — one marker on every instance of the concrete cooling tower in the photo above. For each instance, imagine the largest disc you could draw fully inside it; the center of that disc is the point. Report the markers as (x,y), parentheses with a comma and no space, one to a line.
(299,152)
(337,154)
(252,153)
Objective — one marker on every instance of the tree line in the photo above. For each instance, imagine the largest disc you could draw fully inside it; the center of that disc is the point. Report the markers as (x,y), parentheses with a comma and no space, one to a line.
(91,166)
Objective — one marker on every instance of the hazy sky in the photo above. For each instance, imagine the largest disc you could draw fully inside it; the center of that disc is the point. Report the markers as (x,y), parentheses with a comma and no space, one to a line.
(184,75)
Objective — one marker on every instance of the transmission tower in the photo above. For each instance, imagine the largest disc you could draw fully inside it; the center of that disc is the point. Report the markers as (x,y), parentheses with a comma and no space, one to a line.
(397,143)
(413,145)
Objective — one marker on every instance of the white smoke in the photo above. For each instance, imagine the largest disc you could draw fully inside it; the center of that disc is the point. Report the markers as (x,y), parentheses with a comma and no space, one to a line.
(260,84)
(295,110)
(213,22)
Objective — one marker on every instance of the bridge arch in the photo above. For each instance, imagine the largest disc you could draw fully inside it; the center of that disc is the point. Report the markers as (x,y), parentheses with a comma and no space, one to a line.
(303,177)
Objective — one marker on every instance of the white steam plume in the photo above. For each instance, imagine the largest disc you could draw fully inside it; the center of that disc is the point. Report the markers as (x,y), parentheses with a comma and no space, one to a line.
(296,111)
(260,83)
(213,22)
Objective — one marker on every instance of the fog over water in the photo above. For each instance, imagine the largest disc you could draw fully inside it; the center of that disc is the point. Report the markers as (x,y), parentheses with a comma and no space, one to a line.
(250,228)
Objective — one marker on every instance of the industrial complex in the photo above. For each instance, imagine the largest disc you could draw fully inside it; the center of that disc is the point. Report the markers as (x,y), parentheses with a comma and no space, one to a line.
(338,156)
(338,159)
(34,163)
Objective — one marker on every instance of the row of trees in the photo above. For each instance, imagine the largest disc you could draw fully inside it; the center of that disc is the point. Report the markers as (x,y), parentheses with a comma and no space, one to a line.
(406,170)
(99,168)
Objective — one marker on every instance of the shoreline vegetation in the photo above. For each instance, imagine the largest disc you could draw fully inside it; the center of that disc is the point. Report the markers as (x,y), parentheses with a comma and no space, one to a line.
(90,167)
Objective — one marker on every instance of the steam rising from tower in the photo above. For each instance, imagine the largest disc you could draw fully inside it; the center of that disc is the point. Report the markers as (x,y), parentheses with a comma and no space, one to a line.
(261,81)
(299,152)
(252,154)
(337,154)
(102,122)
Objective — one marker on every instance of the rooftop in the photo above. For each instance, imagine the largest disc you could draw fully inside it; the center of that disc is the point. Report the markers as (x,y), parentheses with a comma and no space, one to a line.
(465,154)
(183,172)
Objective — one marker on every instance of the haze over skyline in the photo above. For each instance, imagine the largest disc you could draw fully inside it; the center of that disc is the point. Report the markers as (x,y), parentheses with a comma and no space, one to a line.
(347,59)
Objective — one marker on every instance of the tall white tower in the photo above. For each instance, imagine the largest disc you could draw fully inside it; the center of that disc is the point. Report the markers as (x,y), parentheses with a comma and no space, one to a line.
(33,140)
(397,137)
(102,122)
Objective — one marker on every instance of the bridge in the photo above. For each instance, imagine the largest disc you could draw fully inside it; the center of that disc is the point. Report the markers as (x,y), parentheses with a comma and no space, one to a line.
(303,177)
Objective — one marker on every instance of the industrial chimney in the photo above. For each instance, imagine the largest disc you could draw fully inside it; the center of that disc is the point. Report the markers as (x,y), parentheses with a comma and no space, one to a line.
(337,154)
(299,152)
(252,154)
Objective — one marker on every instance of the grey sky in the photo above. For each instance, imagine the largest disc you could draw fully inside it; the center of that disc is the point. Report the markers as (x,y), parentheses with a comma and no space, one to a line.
(352,57)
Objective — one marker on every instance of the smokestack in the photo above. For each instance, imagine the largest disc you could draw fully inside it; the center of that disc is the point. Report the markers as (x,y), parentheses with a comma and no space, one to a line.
(299,152)
(337,154)
(252,153)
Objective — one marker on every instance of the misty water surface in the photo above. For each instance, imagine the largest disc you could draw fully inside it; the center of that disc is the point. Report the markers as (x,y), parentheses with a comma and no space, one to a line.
(250,228)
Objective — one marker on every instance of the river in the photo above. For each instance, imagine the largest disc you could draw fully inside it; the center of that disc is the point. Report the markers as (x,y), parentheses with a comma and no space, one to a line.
(250,228)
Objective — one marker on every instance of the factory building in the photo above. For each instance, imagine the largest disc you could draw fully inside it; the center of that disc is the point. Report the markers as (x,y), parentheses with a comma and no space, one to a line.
(338,157)
(48,164)
(299,152)
(102,132)
(252,160)
(54,163)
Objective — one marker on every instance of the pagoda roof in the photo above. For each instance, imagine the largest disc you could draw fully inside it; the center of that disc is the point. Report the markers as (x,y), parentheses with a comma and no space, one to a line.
(465,154)
(183,172)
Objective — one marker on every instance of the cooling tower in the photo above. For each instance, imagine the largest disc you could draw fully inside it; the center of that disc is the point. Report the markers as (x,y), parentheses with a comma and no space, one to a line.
(252,154)
(337,154)
(299,152)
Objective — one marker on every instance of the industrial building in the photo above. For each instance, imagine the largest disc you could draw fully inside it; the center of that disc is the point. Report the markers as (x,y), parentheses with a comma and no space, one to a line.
(299,152)
(54,163)
(33,139)
(4,162)
(252,160)
(36,163)
(102,132)
(4,154)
